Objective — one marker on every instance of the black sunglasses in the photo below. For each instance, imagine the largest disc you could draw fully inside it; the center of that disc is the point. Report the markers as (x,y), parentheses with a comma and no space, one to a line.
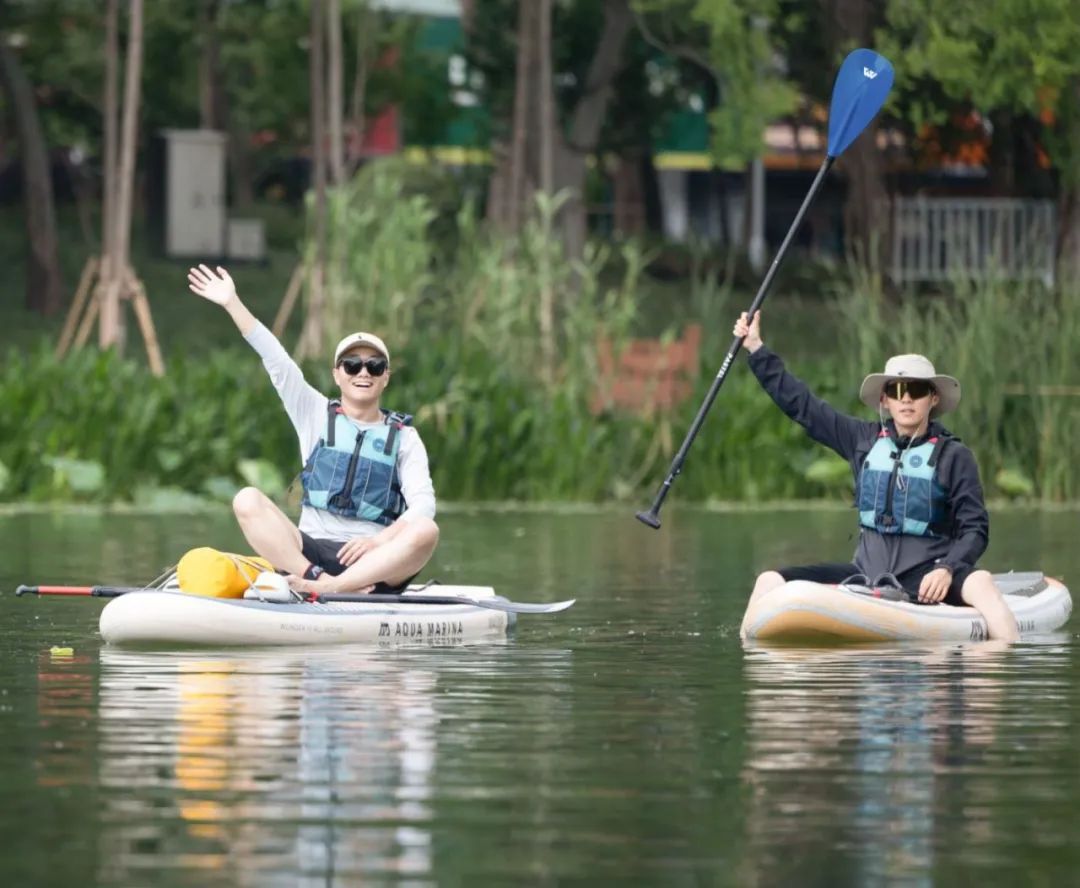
(917,388)
(352,366)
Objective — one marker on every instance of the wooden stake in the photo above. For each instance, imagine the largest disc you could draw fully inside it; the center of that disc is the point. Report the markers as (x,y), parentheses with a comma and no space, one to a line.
(137,294)
(91,315)
(89,270)
(292,292)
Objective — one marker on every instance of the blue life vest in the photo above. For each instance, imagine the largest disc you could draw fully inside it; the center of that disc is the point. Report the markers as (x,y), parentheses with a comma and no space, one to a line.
(353,473)
(898,489)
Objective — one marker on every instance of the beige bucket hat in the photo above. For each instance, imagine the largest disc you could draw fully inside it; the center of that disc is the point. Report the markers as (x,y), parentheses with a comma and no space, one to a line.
(911,367)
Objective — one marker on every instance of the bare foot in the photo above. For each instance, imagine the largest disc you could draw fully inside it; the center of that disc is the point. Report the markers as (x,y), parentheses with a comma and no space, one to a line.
(322,586)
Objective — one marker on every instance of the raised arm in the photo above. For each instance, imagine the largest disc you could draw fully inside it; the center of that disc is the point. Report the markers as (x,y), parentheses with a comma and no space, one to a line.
(219,288)
(305,405)
(823,422)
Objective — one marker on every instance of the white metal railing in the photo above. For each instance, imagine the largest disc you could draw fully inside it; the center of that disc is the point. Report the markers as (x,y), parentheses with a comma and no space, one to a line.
(941,238)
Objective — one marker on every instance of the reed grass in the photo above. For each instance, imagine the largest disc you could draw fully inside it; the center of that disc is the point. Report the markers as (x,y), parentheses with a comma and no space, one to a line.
(495,352)
(1010,344)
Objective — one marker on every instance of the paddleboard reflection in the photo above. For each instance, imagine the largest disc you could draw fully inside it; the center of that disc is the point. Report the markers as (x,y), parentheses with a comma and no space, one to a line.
(871,764)
(265,766)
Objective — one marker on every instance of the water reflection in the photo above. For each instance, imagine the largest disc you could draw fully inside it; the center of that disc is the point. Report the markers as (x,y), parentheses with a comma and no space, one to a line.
(66,697)
(264,766)
(872,764)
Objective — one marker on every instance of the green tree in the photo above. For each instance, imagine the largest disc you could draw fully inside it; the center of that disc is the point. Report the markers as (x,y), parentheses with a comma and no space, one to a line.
(43,280)
(734,41)
(1012,60)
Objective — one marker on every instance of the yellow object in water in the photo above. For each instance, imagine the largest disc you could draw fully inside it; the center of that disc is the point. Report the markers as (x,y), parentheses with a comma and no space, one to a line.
(206,571)
(57,651)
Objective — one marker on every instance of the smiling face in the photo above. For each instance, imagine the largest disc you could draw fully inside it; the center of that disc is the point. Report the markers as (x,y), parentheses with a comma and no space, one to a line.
(360,391)
(909,403)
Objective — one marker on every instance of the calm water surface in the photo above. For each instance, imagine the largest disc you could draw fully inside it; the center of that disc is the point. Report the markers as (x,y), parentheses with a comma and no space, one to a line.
(632,739)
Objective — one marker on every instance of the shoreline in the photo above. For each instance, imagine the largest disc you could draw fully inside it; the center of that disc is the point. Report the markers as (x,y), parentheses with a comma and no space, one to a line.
(522,506)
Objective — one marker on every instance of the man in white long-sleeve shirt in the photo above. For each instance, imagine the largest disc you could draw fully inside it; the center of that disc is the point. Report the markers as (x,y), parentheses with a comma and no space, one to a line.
(368,519)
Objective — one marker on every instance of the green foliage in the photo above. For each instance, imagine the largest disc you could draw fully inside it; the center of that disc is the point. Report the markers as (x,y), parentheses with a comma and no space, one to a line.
(380,257)
(734,40)
(502,419)
(1010,344)
(95,427)
(76,478)
(1014,483)
(829,471)
(262,67)
(1012,55)
(263,474)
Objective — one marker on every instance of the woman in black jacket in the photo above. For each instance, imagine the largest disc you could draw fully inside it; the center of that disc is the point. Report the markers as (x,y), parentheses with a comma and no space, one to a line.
(922,518)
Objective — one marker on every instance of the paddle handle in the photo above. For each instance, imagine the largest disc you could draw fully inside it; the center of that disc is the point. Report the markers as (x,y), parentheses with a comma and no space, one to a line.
(95,591)
(652,516)
(499,604)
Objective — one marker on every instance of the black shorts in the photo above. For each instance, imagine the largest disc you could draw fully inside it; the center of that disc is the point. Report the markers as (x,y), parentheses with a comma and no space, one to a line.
(909,579)
(323,553)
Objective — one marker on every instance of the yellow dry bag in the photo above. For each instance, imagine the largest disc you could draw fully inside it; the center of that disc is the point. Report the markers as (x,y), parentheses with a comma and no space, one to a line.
(206,571)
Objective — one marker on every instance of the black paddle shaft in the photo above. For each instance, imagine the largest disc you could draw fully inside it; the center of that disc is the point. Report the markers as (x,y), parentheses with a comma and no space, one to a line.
(652,516)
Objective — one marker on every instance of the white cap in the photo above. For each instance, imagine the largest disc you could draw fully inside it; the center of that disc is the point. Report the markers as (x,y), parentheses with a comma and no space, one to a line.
(355,339)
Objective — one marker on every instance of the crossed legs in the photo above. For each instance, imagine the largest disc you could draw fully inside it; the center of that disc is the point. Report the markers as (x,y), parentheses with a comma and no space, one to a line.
(269,532)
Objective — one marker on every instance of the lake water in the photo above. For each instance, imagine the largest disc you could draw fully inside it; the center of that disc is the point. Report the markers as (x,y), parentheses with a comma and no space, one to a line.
(632,739)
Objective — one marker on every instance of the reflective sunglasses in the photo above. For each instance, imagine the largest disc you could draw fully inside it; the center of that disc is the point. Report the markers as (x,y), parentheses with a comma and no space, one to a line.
(917,388)
(352,366)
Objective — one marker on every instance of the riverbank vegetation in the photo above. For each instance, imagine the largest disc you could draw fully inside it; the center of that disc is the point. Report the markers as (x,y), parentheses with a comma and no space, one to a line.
(495,351)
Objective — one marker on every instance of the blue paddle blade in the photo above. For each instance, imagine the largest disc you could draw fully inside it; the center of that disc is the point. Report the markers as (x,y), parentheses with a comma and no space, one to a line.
(862,84)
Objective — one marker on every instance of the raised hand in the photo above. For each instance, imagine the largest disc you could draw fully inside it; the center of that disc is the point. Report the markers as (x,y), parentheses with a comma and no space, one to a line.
(750,333)
(217,287)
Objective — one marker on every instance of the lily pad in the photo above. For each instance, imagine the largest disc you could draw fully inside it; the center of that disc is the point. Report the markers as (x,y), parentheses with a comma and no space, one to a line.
(1013,482)
(262,474)
(80,476)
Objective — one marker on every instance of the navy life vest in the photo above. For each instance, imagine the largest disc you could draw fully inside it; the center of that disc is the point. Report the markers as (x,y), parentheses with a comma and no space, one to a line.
(353,473)
(898,489)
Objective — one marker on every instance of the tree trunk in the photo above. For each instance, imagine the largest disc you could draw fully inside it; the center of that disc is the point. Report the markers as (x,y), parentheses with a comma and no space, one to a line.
(587,120)
(628,214)
(547,98)
(311,340)
(111,332)
(519,185)
(357,125)
(335,77)
(44,284)
(209,68)
(865,222)
(850,22)
(111,102)
(498,185)
(553,162)
(1002,154)
(215,109)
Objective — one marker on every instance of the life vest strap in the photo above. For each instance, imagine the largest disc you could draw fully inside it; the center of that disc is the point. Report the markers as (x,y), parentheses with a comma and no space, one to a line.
(396,421)
(939,445)
(333,408)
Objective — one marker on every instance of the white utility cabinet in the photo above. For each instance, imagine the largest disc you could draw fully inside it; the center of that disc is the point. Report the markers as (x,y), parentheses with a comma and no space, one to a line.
(247,240)
(195,210)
